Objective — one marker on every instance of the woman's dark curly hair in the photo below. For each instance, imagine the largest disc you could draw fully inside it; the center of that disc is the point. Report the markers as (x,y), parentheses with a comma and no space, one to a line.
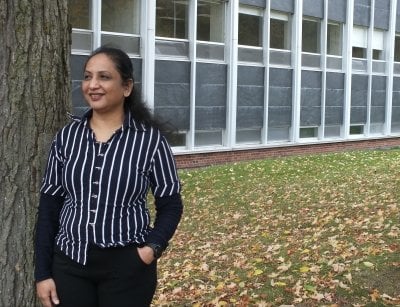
(133,102)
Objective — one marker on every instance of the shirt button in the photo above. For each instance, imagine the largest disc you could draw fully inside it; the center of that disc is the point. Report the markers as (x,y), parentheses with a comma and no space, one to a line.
(93,210)
(95,182)
(94,196)
(101,155)
(98,167)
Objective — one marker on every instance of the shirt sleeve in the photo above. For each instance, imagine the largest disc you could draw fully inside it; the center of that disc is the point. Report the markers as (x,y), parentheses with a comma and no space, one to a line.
(163,176)
(52,180)
(46,231)
(166,190)
(169,211)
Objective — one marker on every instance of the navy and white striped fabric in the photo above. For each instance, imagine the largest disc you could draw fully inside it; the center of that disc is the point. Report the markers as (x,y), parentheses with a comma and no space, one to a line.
(105,185)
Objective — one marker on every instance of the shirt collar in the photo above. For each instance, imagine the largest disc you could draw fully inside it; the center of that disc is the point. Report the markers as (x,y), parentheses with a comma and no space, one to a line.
(129,121)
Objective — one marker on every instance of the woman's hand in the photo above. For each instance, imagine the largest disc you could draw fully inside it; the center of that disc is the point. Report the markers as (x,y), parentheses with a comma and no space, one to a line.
(146,254)
(46,291)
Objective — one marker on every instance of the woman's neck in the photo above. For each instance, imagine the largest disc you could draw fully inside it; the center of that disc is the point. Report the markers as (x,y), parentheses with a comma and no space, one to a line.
(104,125)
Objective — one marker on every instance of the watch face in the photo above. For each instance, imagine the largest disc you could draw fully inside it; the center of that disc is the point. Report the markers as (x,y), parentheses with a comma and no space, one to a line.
(157,250)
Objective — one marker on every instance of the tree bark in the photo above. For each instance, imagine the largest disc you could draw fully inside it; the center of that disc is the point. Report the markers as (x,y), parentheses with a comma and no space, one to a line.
(34,100)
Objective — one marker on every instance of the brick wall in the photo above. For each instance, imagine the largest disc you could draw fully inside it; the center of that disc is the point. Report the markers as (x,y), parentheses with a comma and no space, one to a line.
(192,160)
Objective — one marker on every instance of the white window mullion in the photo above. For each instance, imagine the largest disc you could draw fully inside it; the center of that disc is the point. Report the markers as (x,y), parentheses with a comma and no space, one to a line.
(321,130)
(348,68)
(232,47)
(390,68)
(96,23)
(192,56)
(369,65)
(266,35)
(297,29)
(148,25)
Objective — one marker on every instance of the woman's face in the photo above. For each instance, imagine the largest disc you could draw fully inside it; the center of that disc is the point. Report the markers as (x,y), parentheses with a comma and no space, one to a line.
(102,85)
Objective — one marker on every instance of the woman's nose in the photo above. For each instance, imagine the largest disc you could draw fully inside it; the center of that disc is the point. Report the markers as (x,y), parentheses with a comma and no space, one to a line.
(93,83)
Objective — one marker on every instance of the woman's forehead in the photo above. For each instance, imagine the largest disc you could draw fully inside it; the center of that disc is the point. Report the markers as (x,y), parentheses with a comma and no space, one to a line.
(100,62)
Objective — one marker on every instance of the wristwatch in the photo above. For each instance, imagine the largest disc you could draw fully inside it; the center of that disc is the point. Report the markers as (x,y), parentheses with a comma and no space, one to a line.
(157,249)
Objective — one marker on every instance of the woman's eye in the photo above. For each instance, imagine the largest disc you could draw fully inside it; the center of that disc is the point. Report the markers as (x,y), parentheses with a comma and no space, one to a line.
(86,77)
(104,77)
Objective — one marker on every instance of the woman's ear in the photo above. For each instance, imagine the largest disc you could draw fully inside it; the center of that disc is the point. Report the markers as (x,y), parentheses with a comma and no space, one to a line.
(128,87)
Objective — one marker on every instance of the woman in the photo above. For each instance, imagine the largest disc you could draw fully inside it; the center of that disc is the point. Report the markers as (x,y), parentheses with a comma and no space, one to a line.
(94,243)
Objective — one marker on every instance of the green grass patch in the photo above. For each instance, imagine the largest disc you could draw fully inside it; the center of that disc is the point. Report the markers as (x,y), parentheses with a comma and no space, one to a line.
(307,231)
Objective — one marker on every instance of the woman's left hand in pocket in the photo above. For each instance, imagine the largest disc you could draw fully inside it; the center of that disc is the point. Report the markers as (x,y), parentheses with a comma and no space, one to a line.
(146,254)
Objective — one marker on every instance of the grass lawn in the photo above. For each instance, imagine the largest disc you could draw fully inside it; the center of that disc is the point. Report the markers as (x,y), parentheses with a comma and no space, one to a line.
(317,230)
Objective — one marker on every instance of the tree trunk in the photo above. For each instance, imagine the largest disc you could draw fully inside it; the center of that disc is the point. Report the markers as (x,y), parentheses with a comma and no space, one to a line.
(34,100)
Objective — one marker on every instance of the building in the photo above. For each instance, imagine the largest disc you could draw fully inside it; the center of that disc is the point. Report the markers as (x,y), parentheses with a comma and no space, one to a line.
(235,75)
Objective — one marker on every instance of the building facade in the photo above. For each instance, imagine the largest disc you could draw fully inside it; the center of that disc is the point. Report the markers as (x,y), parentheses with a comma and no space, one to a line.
(251,74)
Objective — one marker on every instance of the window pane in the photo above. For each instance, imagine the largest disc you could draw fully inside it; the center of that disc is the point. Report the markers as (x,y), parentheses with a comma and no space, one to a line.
(311,60)
(250,30)
(279,36)
(207,138)
(333,62)
(332,131)
(172,48)
(359,64)
(79,13)
(81,41)
(210,51)
(397,49)
(254,55)
(360,53)
(278,134)
(280,57)
(379,66)
(356,129)
(311,36)
(308,132)
(120,16)
(129,44)
(210,21)
(250,136)
(377,54)
(397,68)
(334,40)
(172,18)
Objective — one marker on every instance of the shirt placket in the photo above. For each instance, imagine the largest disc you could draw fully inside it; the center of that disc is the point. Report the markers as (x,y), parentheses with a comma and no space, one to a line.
(101,149)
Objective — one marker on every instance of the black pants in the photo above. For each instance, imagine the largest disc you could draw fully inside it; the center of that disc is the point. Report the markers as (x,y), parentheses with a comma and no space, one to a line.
(112,277)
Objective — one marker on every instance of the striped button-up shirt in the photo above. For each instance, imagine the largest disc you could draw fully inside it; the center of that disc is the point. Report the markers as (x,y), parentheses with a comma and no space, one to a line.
(105,185)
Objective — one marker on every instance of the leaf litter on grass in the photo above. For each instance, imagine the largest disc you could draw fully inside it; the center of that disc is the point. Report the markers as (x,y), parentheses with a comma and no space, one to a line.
(305,231)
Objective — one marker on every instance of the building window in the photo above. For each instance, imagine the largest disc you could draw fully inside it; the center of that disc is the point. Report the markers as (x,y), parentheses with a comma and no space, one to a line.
(311,41)
(211,21)
(250,28)
(172,19)
(334,39)
(308,132)
(172,27)
(279,39)
(120,16)
(210,29)
(120,24)
(360,42)
(279,34)
(81,21)
(359,48)
(378,43)
(250,34)
(397,48)
(356,129)
(79,13)
(360,53)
